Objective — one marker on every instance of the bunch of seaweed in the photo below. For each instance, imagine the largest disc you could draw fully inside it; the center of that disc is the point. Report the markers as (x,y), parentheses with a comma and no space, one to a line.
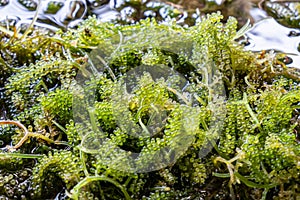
(48,154)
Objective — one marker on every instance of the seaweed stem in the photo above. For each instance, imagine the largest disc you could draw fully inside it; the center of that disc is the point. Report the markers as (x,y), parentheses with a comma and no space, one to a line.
(24,138)
(75,191)
(20,155)
(32,22)
(82,158)
(10,33)
(27,134)
(179,95)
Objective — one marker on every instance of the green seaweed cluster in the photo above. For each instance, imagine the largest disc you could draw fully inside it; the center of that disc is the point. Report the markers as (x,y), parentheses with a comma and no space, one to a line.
(222,124)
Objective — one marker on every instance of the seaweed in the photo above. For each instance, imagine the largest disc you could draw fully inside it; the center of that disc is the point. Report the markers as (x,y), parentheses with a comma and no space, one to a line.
(183,113)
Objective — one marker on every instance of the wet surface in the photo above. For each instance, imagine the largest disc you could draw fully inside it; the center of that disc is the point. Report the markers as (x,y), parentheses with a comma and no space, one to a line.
(266,34)
(54,14)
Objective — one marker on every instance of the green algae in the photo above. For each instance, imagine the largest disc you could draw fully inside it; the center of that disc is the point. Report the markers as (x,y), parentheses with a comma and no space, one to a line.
(255,148)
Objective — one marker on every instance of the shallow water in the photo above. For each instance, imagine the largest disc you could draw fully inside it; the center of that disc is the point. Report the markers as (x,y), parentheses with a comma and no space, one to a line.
(266,34)
(54,14)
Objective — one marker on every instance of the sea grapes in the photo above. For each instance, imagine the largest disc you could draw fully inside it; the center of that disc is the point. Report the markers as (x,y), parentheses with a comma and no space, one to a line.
(232,114)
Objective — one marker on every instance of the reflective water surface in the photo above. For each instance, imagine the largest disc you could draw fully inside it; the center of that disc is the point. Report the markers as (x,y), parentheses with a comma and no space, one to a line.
(54,14)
